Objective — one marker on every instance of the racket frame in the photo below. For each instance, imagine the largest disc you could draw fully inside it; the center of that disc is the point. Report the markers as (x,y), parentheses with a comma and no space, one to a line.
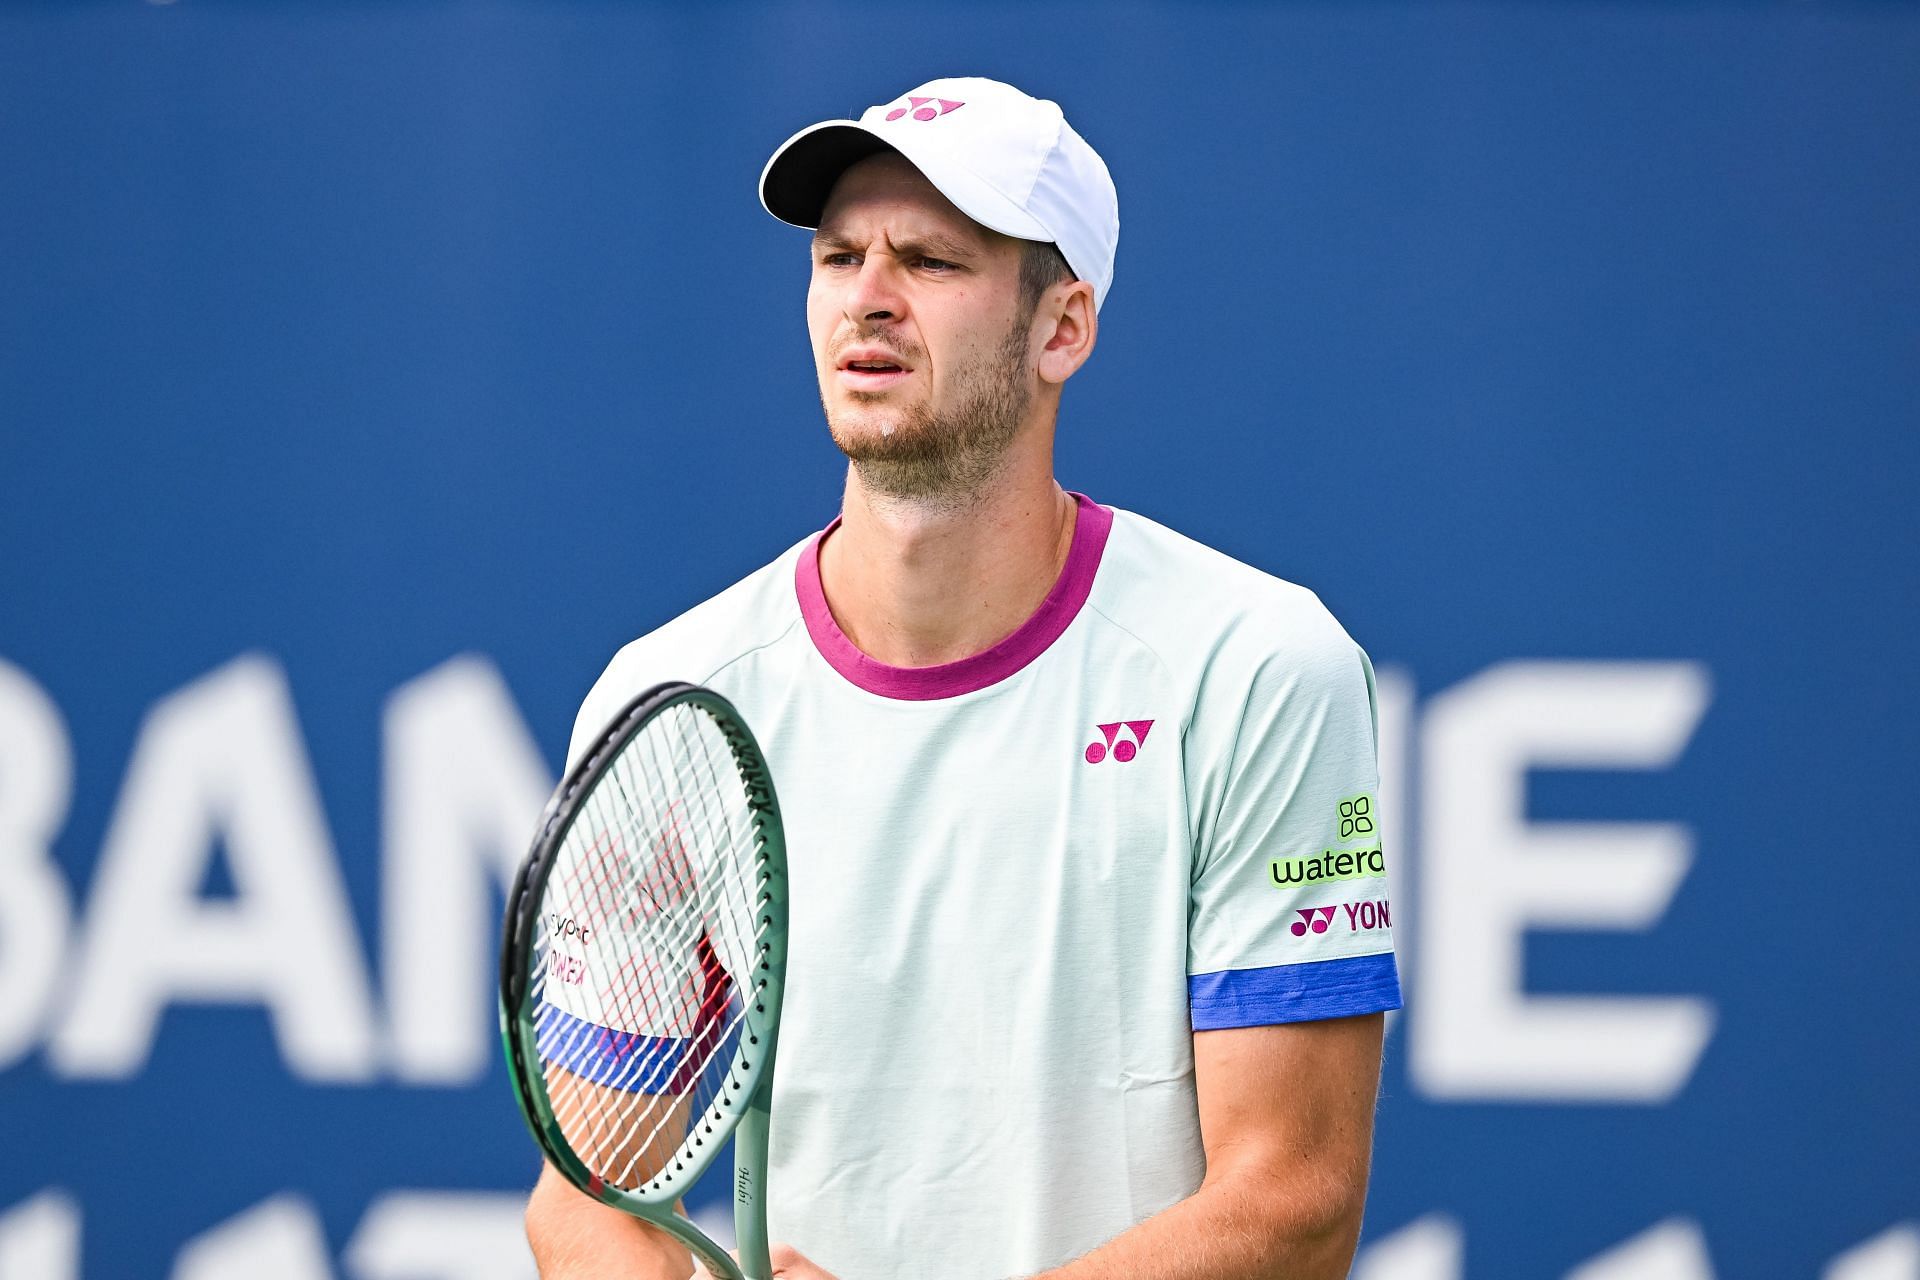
(741,1105)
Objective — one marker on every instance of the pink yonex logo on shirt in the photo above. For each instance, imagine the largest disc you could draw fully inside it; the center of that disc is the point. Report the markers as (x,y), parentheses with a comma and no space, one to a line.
(1361,917)
(1315,918)
(923,108)
(1124,749)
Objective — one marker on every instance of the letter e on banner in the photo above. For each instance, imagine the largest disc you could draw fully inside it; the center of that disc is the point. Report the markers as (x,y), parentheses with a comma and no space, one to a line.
(1488,876)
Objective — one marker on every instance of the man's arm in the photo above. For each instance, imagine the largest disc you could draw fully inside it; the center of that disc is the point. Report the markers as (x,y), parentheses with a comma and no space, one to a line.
(1286,1117)
(574,1236)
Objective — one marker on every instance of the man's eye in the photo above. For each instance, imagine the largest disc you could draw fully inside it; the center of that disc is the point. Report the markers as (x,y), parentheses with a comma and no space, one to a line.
(937,264)
(841,260)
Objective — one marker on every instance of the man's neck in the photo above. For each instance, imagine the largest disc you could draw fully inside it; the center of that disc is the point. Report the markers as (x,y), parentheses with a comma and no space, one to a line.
(918,584)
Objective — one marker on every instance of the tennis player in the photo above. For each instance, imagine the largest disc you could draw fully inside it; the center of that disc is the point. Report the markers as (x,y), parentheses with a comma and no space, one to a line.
(1090,937)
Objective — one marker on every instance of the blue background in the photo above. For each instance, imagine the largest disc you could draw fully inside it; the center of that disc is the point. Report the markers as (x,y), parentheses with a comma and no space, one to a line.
(365,336)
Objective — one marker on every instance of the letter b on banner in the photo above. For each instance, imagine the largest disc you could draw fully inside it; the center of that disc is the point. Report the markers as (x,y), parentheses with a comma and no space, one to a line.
(36,784)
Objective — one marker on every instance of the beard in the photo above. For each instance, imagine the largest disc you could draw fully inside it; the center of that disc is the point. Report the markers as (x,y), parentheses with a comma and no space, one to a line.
(949,456)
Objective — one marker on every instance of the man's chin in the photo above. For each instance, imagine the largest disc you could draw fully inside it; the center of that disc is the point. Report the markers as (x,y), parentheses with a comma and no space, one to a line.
(877,436)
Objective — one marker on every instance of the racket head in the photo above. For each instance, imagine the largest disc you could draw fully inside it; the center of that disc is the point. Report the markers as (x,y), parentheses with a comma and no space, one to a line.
(644,952)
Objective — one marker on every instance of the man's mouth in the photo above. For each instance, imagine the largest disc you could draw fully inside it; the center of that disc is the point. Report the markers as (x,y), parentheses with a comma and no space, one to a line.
(870,371)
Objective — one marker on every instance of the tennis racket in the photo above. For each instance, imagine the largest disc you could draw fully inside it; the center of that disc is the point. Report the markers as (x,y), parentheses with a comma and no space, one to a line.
(642,967)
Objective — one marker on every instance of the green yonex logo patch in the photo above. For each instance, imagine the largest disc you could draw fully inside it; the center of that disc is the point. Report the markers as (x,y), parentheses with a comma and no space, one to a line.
(1356,817)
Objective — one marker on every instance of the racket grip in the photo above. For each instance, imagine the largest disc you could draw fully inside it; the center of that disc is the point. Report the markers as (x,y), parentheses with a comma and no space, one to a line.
(750,1185)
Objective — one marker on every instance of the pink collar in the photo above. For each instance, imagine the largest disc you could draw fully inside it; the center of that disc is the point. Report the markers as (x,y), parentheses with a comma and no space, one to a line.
(922,684)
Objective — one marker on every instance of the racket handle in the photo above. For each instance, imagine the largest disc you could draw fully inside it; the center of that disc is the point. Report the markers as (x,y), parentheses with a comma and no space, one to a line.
(750,1185)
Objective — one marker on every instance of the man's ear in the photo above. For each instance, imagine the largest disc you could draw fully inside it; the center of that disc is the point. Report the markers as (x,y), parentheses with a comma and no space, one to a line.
(1075,328)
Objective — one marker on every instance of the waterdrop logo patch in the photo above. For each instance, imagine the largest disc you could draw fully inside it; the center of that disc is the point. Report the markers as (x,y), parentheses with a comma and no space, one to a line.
(1356,817)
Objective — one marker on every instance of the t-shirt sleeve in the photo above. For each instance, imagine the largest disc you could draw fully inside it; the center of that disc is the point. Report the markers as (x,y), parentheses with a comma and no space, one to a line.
(1289,919)
(596,713)
(641,962)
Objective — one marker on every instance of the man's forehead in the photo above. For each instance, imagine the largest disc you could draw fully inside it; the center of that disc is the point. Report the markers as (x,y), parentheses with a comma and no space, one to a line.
(885,192)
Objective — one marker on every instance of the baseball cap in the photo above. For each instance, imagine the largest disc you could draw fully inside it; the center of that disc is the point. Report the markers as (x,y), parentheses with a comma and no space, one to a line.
(1010,162)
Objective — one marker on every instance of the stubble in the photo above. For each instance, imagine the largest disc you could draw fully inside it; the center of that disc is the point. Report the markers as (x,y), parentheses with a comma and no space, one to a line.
(946,458)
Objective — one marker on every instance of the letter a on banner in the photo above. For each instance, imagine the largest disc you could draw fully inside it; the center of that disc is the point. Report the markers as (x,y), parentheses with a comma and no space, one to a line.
(221,759)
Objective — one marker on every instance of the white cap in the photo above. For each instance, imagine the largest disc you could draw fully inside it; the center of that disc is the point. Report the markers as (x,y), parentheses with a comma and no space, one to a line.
(1009,162)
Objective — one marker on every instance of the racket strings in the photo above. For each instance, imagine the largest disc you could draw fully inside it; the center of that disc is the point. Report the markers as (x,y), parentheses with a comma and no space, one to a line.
(656,1002)
(661,883)
(647,966)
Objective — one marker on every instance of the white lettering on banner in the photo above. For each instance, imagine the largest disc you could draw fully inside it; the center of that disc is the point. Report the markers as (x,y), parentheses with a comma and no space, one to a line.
(1670,1250)
(36,785)
(464,785)
(1488,876)
(1892,1255)
(1429,1248)
(278,1238)
(445,1235)
(220,758)
(40,1239)
(222,762)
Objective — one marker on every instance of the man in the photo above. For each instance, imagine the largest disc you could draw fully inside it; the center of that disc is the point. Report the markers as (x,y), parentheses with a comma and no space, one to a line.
(1089,935)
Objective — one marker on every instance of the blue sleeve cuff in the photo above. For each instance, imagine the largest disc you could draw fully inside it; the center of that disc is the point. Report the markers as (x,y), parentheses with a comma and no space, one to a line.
(617,1059)
(1305,992)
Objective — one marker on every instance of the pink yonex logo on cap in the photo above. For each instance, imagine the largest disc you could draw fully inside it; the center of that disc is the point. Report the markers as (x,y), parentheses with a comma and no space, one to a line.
(1012,163)
(923,109)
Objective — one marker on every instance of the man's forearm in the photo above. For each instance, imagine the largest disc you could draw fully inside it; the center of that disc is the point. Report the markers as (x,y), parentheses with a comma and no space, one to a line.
(575,1237)
(1235,1228)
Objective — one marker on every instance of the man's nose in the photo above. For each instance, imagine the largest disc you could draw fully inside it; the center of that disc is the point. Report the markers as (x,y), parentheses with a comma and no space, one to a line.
(875,291)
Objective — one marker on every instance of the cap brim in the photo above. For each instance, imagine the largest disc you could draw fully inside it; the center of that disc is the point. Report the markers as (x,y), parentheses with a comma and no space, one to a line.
(798,179)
